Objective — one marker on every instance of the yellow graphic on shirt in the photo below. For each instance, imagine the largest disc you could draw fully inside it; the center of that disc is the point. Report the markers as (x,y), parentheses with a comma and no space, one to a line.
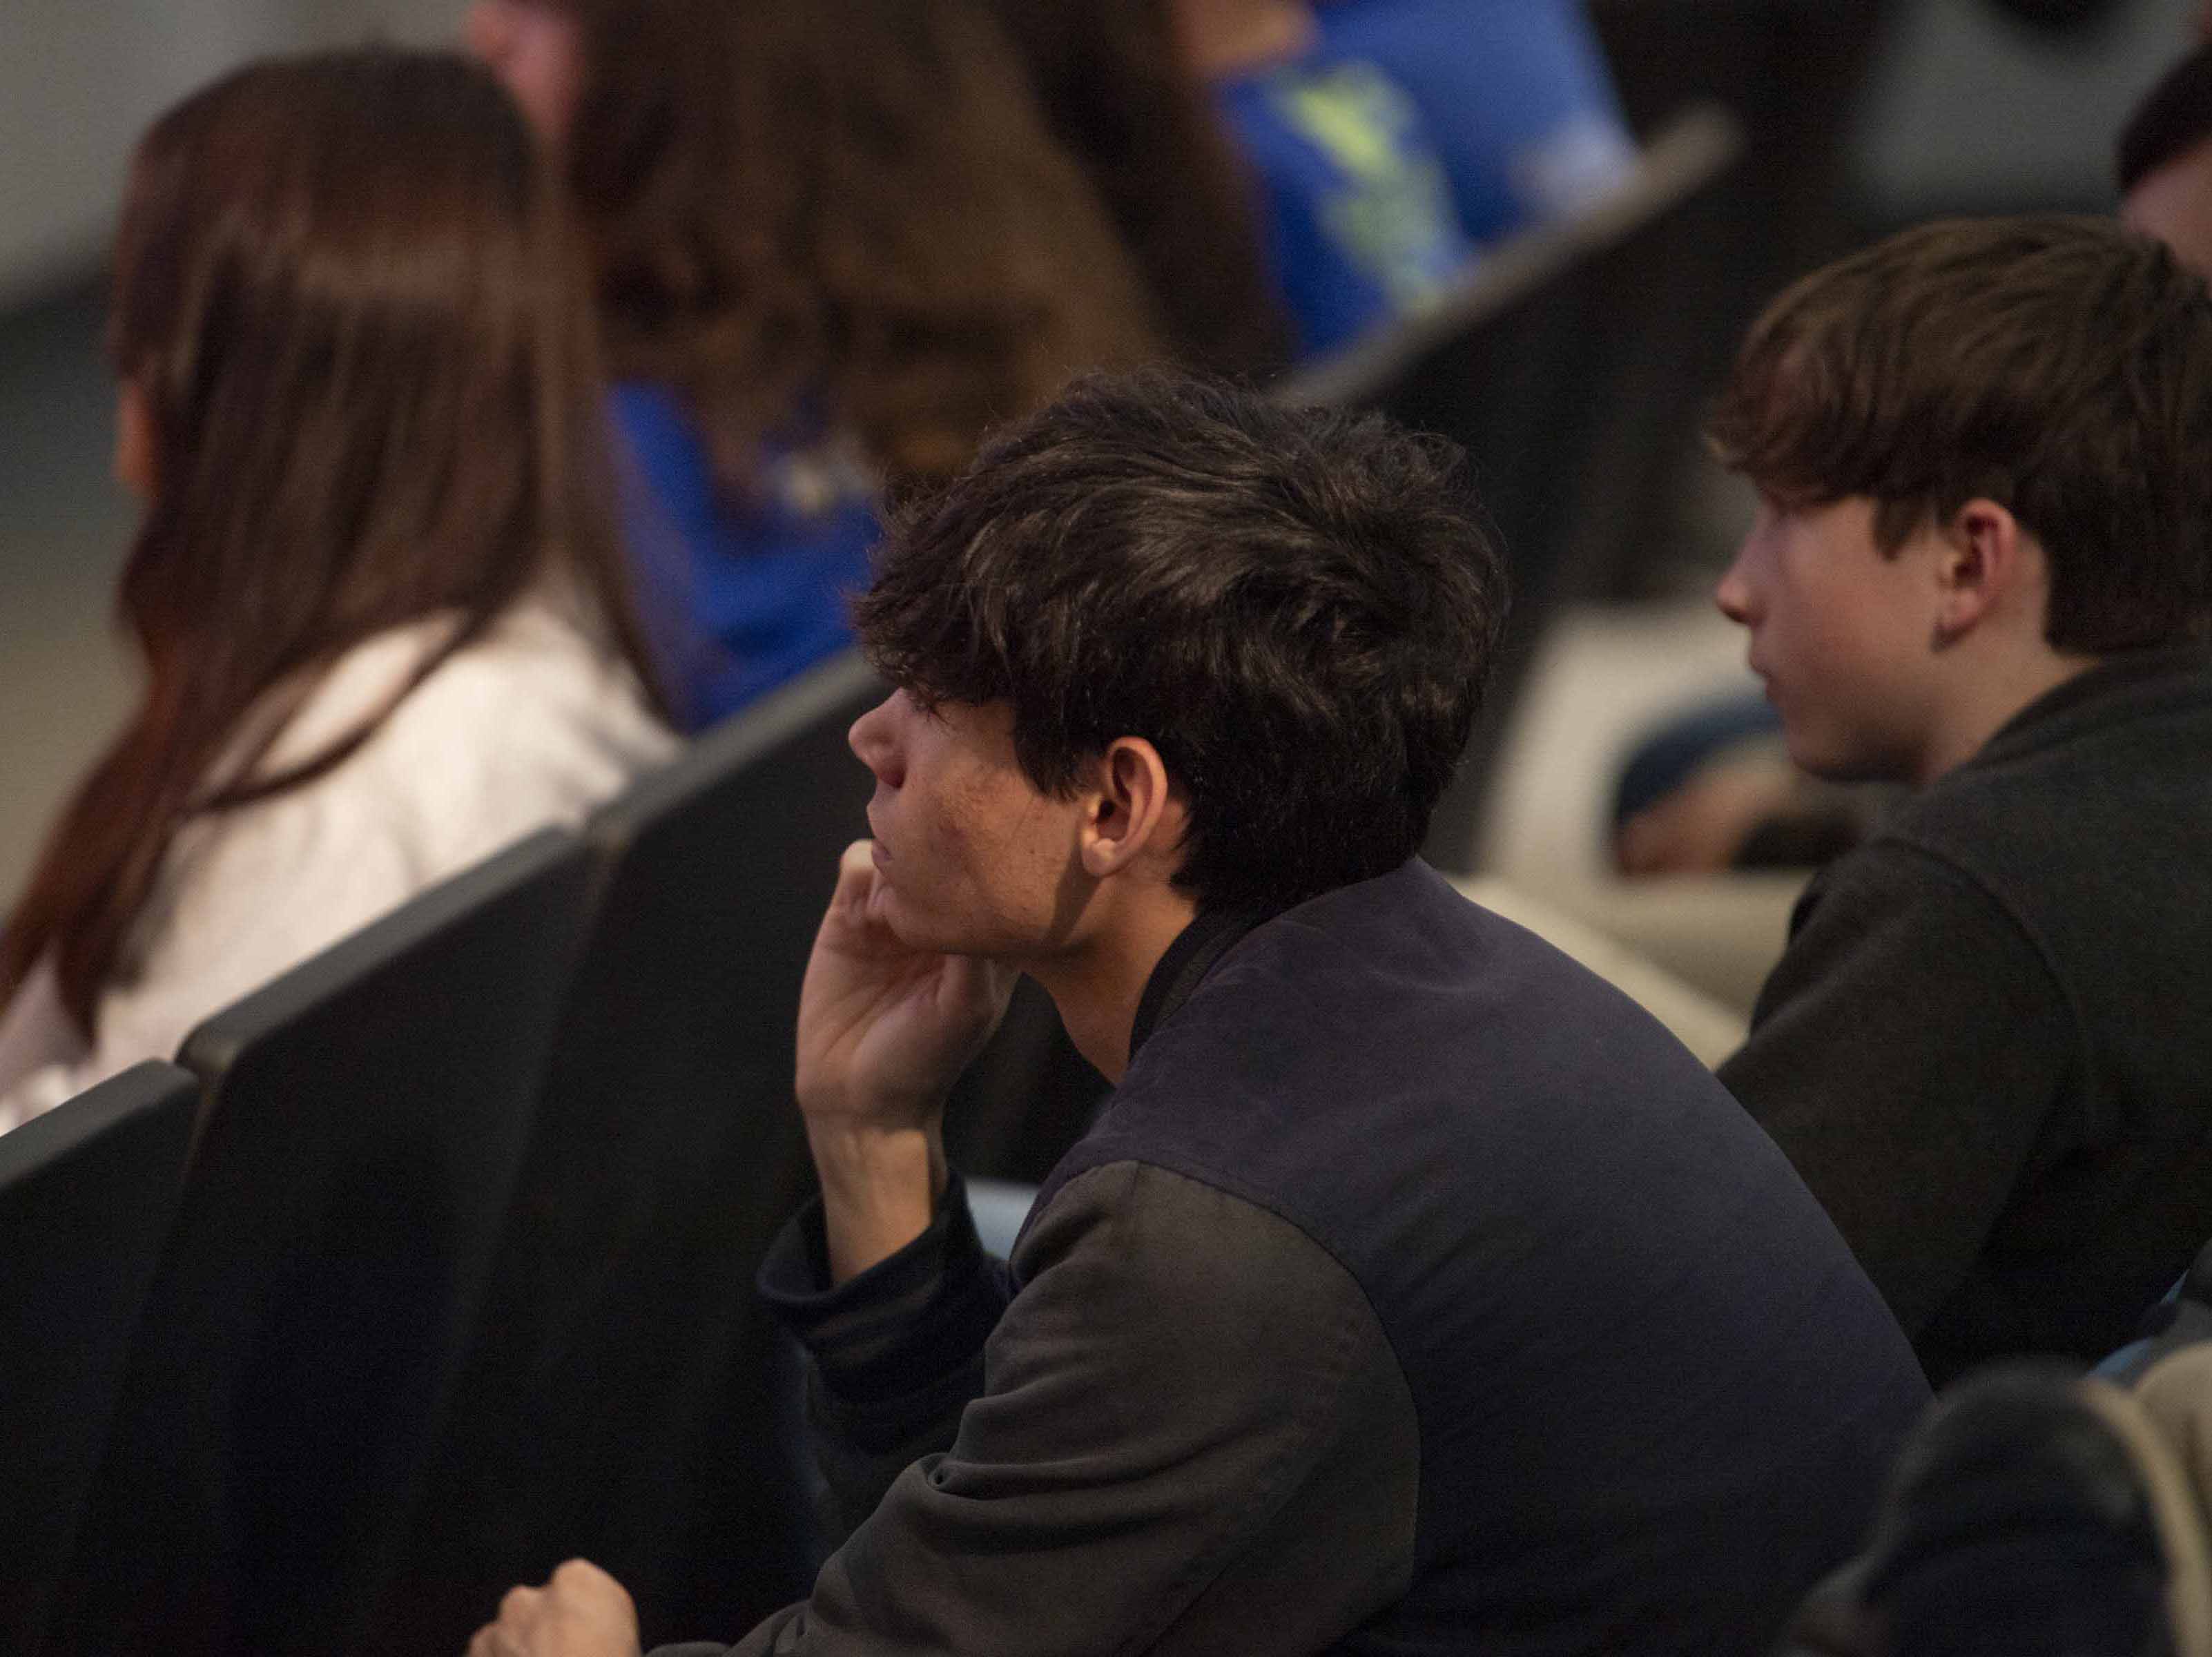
(1393,213)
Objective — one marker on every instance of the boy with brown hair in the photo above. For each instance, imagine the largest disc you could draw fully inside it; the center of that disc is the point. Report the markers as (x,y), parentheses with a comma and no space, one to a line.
(1983,564)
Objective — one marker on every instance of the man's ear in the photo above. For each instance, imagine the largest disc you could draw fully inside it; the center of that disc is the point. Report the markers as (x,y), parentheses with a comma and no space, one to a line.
(1135,811)
(1984,563)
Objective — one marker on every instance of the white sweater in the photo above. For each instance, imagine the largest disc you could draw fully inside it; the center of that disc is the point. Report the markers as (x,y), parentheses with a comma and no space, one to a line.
(531,724)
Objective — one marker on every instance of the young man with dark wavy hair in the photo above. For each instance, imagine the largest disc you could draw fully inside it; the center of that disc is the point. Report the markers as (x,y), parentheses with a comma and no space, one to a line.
(1984,565)
(1417,1292)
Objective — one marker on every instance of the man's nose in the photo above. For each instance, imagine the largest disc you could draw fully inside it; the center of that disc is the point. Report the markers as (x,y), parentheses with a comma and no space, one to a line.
(873,740)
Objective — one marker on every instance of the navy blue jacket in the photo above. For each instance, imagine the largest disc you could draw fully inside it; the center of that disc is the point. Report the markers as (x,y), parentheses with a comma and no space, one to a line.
(1417,1293)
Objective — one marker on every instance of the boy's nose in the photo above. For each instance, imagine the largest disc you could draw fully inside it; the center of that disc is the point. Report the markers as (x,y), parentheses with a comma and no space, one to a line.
(1734,595)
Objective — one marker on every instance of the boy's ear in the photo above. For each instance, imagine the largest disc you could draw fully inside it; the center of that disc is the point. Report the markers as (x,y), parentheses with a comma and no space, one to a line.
(1984,563)
(1134,809)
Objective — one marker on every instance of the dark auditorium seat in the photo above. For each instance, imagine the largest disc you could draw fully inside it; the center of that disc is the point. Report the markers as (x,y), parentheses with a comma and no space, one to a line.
(1565,367)
(87,1193)
(367,1114)
(1793,72)
(632,1402)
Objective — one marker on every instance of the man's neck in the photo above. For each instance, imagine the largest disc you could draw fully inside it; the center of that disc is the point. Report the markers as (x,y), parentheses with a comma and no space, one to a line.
(1991,700)
(1097,990)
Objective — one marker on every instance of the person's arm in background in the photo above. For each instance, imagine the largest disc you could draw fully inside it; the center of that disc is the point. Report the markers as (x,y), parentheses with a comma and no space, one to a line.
(1905,1055)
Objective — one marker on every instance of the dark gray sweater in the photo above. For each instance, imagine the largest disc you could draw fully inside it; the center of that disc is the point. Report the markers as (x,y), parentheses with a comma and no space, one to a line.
(1416,1293)
(1987,1049)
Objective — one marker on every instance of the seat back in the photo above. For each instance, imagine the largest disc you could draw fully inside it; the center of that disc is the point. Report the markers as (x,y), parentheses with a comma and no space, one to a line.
(365,1114)
(87,1193)
(1554,366)
(634,1403)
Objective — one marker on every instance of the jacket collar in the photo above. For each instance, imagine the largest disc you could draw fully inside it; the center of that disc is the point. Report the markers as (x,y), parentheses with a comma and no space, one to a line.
(1185,963)
(2050,717)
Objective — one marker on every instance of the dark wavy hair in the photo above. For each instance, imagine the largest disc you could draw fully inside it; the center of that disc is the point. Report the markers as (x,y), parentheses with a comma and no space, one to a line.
(2059,366)
(849,212)
(343,290)
(1143,127)
(1297,607)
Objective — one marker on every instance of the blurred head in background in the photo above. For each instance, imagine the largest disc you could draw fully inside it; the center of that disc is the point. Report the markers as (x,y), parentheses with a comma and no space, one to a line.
(358,390)
(841,213)
(1226,37)
(2163,162)
(1125,105)
(537,48)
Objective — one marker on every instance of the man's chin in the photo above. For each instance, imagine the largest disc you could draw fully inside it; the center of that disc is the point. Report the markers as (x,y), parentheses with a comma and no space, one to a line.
(1837,762)
(915,931)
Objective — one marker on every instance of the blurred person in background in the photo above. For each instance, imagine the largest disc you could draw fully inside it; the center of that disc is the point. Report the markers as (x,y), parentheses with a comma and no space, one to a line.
(2164,162)
(1124,105)
(376,592)
(1358,209)
(832,241)
(1516,96)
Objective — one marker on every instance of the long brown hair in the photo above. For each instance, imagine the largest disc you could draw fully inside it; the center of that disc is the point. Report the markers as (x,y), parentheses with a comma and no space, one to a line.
(847,211)
(344,294)
(1143,127)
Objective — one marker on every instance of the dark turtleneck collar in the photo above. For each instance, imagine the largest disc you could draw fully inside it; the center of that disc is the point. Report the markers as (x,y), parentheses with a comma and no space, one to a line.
(1187,960)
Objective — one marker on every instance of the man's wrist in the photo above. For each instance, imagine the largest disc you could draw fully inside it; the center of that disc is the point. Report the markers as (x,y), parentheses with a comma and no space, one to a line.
(880,1187)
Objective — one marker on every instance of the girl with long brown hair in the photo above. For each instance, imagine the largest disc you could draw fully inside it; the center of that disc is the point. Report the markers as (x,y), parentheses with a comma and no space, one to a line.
(379,600)
(834,240)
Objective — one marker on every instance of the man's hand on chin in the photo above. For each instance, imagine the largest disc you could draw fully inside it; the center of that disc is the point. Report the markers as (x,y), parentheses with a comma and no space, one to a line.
(884,1030)
(580,1613)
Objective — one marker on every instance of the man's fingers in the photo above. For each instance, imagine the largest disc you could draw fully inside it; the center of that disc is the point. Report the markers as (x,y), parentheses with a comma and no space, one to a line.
(856,868)
(582,1576)
(850,903)
(520,1608)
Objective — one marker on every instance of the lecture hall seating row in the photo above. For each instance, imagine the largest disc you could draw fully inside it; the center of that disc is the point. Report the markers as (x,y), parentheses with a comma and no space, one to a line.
(458,1282)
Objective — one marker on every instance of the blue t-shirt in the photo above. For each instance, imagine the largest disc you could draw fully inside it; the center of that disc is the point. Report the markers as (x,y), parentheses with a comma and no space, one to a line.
(737,597)
(1360,226)
(1515,94)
